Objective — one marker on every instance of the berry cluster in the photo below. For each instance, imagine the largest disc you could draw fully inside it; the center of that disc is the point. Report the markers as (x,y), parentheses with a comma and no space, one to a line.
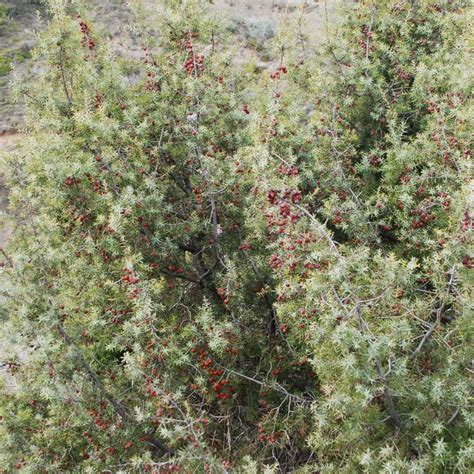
(131,279)
(288,170)
(422,219)
(221,387)
(86,35)
(225,295)
(70,181)
(271,438)
(277,74)
(194,64)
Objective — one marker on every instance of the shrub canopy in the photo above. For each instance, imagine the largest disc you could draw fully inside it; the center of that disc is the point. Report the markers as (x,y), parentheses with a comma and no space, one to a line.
(219,269)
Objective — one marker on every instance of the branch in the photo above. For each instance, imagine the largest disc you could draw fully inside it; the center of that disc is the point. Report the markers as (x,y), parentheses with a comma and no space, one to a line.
(428,334)
(454,416)
(389,400)
(9,259)
(277,388)
(439,313)
(116,404)
(328,238)
(63,76)
(388,395)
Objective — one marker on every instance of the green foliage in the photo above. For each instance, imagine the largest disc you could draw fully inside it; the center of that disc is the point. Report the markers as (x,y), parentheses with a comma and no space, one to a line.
(224,271)
(4,10)
(371,236)
(5,66)
(22,54)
